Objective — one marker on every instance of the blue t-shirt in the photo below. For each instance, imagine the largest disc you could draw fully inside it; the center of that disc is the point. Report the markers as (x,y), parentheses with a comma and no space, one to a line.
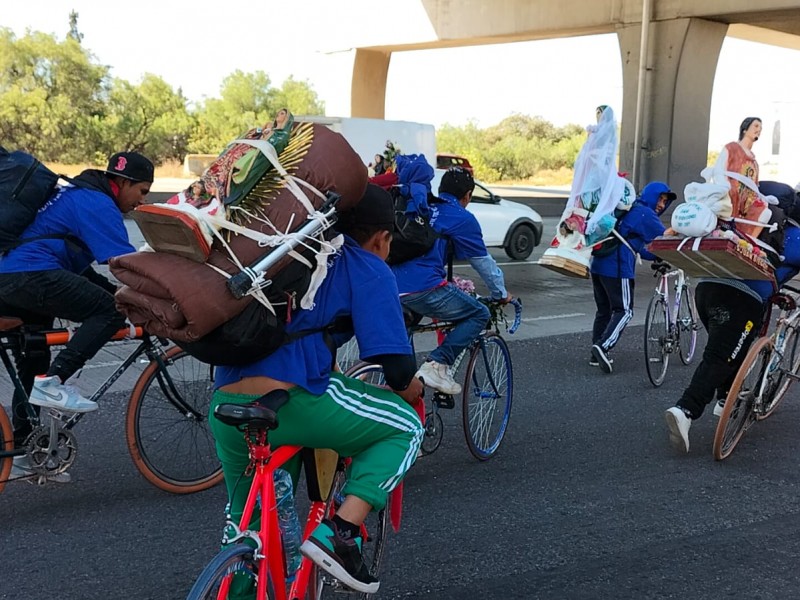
(358,284)
(89,215)
(461,227)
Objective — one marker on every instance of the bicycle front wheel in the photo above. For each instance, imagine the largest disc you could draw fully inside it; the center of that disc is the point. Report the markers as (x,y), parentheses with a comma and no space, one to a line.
(6,445)
(656,338)
(738,414)
(232,567)
(486,396)
(687,325)
(780,367)
(167,425)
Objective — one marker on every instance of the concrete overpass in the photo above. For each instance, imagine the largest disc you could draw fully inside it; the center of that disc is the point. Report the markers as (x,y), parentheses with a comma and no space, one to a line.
(668,67)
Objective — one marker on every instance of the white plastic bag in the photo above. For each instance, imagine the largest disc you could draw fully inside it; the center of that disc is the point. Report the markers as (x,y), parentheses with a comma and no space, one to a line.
(693,219)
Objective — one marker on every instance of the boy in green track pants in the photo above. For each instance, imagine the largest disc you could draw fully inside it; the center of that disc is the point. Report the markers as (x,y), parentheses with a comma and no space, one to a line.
(377,428)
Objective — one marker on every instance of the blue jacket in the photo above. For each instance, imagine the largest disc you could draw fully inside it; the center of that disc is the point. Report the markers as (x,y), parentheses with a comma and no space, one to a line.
(787,269)
(639,226)
(86,213)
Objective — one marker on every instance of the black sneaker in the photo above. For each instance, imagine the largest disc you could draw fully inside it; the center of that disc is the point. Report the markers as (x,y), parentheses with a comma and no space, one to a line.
(340,556)
(603,361)
(594,363)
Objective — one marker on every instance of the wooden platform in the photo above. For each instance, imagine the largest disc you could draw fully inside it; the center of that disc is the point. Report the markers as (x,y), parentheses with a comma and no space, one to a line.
(565,266)
(711,257)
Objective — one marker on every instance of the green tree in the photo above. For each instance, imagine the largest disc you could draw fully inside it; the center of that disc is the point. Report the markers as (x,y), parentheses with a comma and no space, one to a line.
(247,100)
(150,118)
(73,32)
(51,92)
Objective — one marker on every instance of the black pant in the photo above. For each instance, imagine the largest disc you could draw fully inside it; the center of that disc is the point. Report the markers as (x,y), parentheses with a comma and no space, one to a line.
(614,299)
(732,319)
(40,296)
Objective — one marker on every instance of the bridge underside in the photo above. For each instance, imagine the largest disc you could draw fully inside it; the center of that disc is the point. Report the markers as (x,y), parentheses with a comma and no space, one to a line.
(685,38)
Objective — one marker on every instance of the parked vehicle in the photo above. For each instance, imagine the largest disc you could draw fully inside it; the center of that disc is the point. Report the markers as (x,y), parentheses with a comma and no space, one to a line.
(512,226)
(445,161)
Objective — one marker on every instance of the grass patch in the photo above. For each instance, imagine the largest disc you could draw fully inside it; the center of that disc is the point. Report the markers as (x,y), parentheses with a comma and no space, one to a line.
(545,178)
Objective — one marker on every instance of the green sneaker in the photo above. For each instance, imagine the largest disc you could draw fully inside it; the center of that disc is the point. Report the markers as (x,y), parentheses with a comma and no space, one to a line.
(339,555)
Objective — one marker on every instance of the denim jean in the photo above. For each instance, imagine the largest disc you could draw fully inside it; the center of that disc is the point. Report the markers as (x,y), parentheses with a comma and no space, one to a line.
(448,303)
(40,296)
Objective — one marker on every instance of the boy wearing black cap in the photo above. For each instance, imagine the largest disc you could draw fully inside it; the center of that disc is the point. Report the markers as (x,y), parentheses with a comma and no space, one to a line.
(49,275)
(374,426)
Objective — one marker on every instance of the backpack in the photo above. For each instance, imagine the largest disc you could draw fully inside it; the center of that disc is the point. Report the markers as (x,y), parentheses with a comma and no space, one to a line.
(25,186)
(413,234)
(608,246)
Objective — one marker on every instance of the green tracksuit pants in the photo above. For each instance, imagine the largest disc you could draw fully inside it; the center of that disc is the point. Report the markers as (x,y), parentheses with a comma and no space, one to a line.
(373,426)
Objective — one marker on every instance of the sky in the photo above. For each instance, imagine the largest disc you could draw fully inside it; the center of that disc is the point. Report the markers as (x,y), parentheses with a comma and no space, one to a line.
(193,45)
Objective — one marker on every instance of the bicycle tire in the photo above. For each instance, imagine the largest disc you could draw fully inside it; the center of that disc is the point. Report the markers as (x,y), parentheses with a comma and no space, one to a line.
(780,386)
(173,449)
(373,549)
(686,322)
(738,414)
(236,559)
(484,393)
(655,339)
(7,445)
(367,372)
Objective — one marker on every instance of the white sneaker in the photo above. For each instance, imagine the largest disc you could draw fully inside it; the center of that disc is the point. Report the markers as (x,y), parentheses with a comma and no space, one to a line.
(603,361)
(719,406)
(49,392)
(437,376)
(678,424)
(21,469)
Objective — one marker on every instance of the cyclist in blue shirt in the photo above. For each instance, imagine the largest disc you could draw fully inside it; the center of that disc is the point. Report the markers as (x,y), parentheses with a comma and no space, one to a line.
(423,281)
(376,427)
(50,276)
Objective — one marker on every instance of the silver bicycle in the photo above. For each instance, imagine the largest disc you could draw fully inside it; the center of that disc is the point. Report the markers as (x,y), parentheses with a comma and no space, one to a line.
(670,325)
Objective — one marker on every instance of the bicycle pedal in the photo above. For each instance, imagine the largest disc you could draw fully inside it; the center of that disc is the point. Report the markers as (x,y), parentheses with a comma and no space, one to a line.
(444,400)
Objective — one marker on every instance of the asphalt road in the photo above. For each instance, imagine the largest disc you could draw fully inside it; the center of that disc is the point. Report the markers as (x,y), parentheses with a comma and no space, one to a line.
(584,500)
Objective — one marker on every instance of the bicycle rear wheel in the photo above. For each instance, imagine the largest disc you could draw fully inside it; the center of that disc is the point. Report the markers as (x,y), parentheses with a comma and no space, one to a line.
(236,560)
(6,444)
(777,380)
(738,414)
(486,397)
(656,334)
(167,425)
(375,532)
(687,325)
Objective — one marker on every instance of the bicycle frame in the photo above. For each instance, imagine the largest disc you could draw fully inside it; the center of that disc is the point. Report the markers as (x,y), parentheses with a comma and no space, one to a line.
(663,290)
(272,563)
(14,339)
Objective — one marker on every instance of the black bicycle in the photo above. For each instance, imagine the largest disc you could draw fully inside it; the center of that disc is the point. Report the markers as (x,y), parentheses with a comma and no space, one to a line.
(166,421)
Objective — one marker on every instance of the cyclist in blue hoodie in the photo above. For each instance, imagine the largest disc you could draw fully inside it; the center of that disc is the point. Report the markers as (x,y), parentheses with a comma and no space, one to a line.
(614,269)
(732,311)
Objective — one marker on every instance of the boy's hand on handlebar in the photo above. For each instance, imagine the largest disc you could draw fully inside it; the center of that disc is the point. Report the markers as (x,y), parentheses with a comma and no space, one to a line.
(506,300)
(413,392)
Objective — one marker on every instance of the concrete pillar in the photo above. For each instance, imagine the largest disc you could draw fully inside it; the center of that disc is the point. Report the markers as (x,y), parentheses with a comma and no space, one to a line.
(682,61)
(368,89)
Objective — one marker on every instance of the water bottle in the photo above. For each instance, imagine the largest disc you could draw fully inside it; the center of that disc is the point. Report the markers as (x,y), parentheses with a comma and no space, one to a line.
(291,533)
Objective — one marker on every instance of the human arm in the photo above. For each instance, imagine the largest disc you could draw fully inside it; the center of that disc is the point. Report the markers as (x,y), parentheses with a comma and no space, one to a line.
(399,371)
(467,240)
(100,225)
(492,276)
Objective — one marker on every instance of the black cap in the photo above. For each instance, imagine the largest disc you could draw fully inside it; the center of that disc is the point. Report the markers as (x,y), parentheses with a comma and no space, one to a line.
(130,165)
(376,209)
(457,181)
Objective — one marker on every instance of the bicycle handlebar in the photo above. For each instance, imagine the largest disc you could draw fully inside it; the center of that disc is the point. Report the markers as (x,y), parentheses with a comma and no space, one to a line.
(516,303)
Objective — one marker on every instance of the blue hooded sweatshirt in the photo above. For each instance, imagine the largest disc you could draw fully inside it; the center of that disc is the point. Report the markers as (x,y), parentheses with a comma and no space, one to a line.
(639,226)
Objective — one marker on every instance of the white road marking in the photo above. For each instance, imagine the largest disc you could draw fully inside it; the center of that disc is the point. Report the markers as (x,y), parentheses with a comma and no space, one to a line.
(551,317)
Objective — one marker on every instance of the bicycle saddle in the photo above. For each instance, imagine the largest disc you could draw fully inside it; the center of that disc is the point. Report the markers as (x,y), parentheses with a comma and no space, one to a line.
(259,414)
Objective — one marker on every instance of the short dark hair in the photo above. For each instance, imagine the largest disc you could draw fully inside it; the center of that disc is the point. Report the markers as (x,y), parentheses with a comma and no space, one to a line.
(457,181)
(746,125)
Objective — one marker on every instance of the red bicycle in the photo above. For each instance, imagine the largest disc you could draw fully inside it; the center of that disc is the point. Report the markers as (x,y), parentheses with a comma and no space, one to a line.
(256,558)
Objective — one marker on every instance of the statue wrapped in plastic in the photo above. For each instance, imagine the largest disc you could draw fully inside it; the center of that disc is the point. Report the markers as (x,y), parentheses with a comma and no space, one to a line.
(598,192)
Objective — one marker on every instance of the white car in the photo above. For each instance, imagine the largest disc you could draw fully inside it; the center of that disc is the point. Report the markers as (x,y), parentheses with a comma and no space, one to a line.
(514,227)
